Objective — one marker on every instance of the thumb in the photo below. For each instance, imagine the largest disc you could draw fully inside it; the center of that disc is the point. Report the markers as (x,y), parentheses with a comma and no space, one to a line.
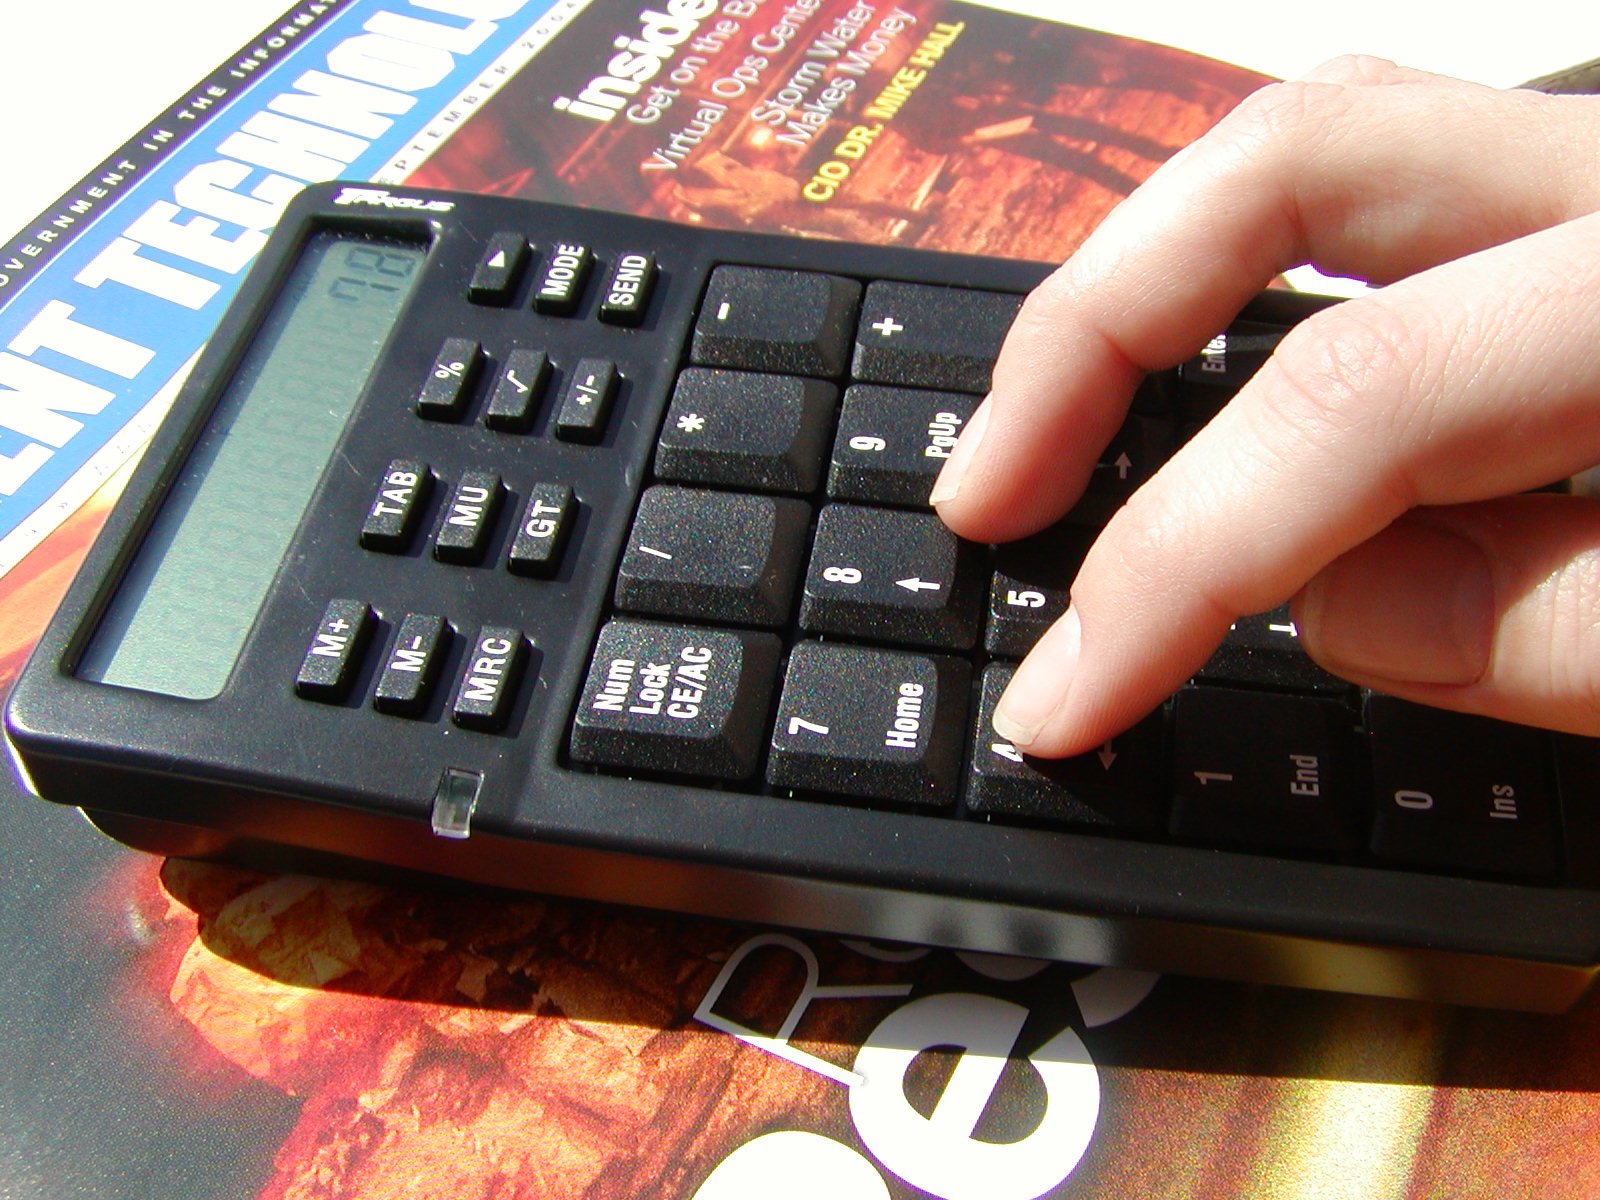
(1491,608)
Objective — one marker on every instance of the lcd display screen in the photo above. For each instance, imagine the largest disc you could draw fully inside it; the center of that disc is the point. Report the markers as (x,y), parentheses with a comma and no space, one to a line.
(183,610)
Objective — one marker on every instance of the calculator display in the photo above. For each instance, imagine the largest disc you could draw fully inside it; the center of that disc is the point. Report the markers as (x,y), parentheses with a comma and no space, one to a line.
(180,617)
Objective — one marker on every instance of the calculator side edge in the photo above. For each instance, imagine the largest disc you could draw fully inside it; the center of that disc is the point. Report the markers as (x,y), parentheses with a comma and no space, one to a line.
(43,714)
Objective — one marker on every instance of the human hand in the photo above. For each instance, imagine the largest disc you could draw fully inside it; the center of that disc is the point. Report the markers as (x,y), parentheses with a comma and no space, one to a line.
(1370,469)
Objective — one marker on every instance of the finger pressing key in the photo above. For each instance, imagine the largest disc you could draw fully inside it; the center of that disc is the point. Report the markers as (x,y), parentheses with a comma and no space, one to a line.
(1470,381)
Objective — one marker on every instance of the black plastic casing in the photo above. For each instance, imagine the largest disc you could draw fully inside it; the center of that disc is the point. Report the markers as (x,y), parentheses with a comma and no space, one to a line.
(260,775)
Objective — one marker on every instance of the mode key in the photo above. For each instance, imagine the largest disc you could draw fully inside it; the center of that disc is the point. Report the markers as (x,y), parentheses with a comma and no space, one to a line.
(560,284)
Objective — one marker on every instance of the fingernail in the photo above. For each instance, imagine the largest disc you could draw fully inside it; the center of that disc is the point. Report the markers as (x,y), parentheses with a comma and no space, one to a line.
(1414,604)
(1040,685)
(949,482)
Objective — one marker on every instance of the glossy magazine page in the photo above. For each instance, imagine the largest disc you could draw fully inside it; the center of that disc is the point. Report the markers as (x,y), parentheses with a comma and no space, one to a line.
(191,1030)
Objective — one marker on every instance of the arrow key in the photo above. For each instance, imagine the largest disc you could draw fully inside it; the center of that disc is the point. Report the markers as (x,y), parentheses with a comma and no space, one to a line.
(1130,458)
(1264,771)
(893,576)
(1118,786)
(499,269)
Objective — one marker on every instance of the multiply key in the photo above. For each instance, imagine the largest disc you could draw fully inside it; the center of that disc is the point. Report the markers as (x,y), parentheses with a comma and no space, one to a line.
(677,699)
(876,724)
(891,576)
(746,429)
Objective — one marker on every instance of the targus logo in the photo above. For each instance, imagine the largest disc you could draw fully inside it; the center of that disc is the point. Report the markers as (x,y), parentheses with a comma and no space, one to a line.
(380,198)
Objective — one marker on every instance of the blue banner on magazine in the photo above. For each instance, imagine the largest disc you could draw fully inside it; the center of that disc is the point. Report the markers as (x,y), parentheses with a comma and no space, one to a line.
(94,340)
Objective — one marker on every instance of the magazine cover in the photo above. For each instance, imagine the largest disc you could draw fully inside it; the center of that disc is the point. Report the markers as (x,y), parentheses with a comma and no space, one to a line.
(190,1030)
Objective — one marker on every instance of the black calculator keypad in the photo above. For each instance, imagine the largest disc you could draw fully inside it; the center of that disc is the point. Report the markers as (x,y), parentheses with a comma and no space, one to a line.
(791,472)
(622,578)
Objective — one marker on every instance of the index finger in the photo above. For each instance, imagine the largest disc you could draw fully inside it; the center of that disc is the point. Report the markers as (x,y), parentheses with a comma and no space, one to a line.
(1473,380)
(1373,179)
